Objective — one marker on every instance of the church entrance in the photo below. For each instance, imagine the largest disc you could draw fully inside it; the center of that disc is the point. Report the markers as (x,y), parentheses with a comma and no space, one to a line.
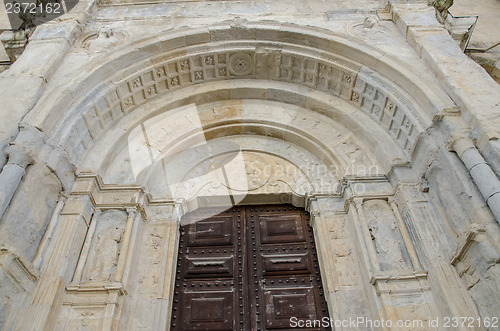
(247,268)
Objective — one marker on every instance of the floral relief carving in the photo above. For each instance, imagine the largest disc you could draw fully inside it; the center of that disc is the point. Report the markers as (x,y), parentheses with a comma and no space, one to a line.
(253,173)
(101,40)
(240,64)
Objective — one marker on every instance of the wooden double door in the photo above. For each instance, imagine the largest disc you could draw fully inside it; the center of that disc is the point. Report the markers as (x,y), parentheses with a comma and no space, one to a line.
(247,268)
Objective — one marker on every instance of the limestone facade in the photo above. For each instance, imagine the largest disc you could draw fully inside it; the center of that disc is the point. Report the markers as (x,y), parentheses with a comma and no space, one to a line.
(122,116)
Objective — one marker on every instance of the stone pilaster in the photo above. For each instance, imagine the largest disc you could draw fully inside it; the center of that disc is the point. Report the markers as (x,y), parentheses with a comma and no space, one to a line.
(433,246)
(341,271)
(44,305)
(395,281)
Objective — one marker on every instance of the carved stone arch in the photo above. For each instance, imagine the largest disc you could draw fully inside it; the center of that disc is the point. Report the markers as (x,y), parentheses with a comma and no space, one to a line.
(313,144)
(328,69)
(370,118)
(328,102)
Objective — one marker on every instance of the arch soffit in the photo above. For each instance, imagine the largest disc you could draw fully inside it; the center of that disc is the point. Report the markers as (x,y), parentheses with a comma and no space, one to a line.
(311,141)
(333,134)
(324,64)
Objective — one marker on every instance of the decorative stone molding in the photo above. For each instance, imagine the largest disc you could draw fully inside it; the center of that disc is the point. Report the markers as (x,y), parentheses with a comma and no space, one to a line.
(401,277)
(16,275)
(106,195)
(466,244)
(322,72)
(406,297)
(367,187)
(92,305)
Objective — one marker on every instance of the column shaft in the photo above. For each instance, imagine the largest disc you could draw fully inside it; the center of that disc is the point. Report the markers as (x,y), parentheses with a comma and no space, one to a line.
(484,177)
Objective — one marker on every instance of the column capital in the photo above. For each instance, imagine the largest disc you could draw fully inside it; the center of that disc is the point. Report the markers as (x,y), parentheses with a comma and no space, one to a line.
(131,211)
(358,202)
(20,156)
(459,143)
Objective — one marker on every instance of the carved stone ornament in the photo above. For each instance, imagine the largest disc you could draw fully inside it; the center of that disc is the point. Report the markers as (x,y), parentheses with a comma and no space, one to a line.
(240,64)
(101,40)
(256,173)
(442,6)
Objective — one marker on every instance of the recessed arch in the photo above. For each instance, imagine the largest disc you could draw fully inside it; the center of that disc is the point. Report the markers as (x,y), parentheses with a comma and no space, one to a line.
(335,112)
(313,144)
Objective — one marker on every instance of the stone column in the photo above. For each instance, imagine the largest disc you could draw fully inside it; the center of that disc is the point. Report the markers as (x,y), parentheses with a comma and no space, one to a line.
(169,276)
(12,174)
(406,236)
(345,290)
(120,266)
(484,177)
(363,235)
(37,259)
(77,277)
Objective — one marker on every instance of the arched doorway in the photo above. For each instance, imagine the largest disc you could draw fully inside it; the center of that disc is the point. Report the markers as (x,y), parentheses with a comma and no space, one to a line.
(304,112)
(247,268)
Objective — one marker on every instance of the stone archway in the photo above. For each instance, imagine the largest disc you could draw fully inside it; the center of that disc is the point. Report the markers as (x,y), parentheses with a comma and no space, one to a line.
(250,98)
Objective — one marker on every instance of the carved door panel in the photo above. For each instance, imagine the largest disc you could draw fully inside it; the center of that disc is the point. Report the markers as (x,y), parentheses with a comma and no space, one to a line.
(248,268)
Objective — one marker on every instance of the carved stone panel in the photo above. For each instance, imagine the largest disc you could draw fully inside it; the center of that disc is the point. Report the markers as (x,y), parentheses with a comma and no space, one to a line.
(85,319)
(339,77)
(386,236)
(105,245)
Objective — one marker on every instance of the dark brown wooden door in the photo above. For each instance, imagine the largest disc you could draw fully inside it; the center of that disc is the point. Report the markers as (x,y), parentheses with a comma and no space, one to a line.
(248,268)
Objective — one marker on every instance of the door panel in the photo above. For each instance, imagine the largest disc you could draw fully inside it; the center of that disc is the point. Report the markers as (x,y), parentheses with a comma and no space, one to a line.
(216,231)
(281,263)
(279,228)
(221,266)
(207,310)
(248,268)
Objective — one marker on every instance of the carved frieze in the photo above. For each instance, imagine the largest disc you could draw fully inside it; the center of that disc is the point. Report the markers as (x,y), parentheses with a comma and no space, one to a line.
(249,172)
(331,75)
(386,109)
